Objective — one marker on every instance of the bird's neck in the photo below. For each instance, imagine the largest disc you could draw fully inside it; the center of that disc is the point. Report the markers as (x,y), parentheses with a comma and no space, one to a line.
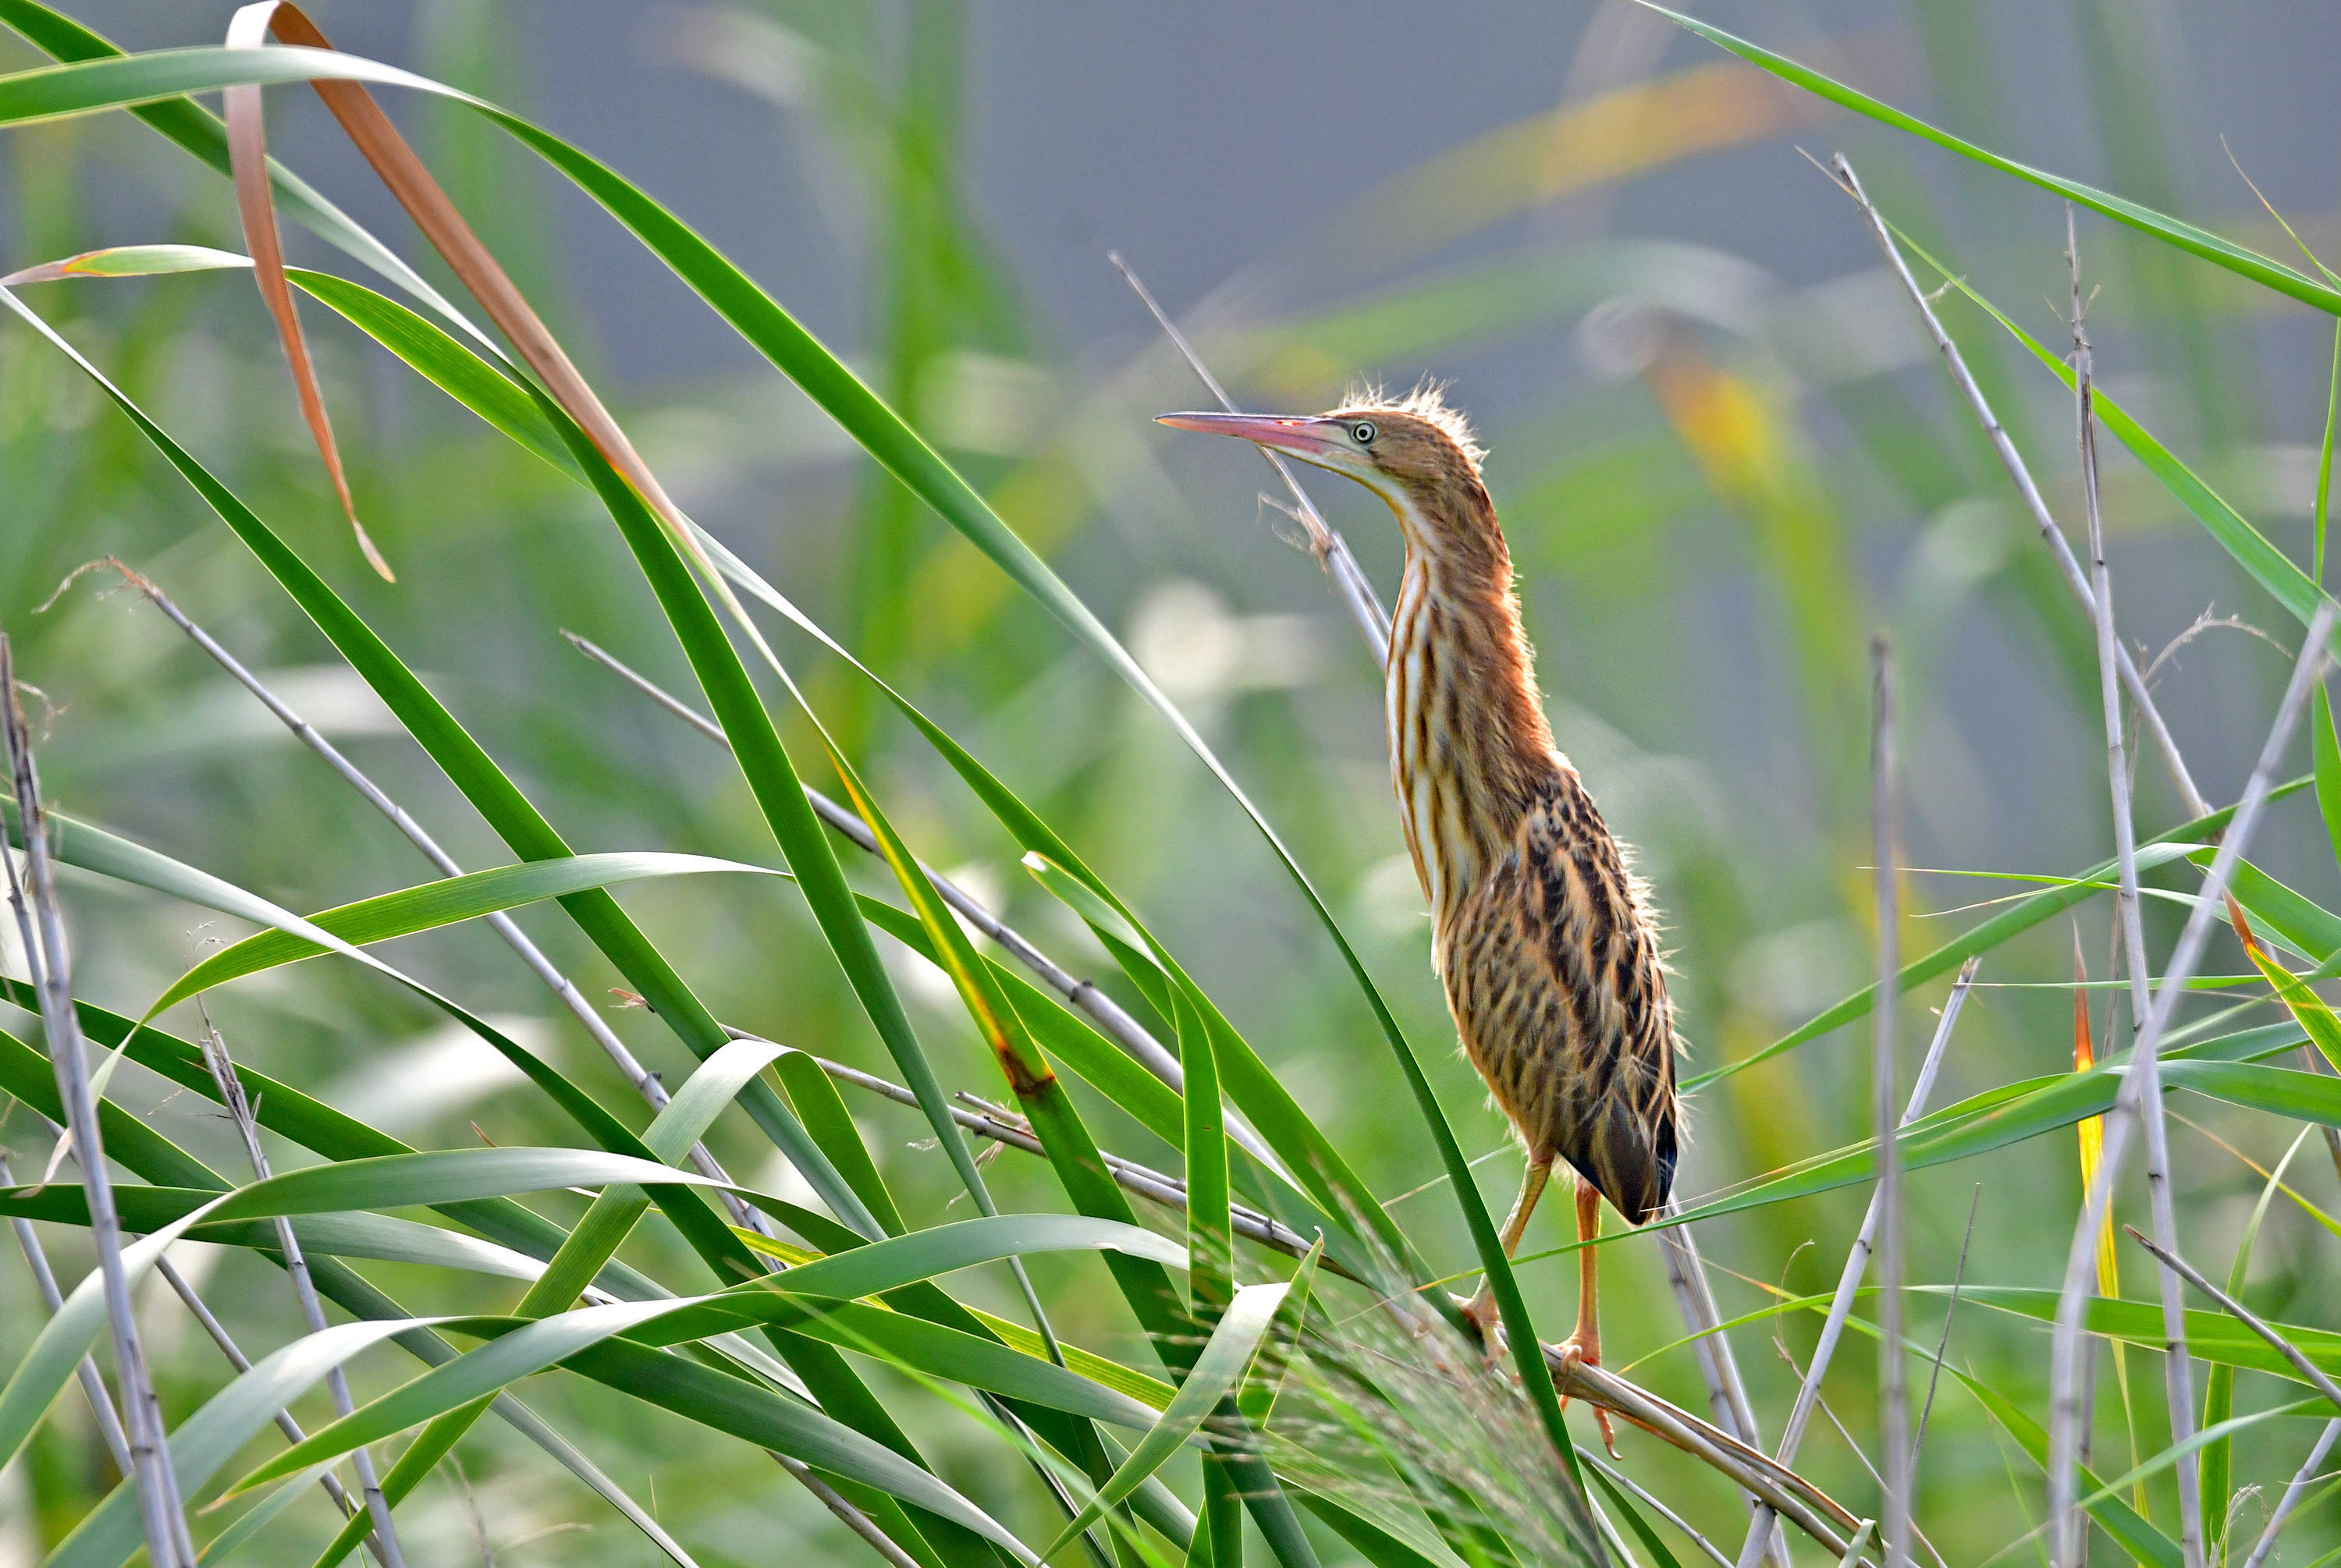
(1469,744)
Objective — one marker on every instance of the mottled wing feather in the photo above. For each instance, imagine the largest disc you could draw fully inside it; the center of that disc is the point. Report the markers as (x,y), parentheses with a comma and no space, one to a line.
(1554,974)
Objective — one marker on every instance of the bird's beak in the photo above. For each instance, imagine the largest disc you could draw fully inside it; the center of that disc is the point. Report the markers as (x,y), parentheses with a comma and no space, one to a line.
(1323,442)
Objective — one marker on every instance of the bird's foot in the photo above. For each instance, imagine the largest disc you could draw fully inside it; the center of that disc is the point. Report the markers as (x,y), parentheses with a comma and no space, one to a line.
(1481,1313)
(1585,1349)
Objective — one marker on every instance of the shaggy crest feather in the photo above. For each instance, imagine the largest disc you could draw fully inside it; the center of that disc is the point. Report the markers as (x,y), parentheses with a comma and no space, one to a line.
(1427,401)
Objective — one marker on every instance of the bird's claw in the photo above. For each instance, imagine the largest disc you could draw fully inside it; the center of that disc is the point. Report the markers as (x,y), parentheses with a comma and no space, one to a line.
(1574,1353)
(1481,1313)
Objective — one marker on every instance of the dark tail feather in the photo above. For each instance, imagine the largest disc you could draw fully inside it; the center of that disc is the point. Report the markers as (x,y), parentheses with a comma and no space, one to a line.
(1631,1161)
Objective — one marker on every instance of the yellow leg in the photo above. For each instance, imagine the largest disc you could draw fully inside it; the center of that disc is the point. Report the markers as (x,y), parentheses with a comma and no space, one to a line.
(1583,1345)
(1482,1308)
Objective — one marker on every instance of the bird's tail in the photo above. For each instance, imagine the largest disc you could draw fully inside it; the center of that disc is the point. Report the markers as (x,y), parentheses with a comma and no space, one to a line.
(1630,1159)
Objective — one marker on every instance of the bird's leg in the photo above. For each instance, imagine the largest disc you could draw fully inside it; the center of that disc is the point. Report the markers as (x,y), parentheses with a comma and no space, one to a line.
(1482,1308)
(1583,1345)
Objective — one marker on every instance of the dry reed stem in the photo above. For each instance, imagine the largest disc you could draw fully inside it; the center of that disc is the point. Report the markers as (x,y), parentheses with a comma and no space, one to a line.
(1794,1498)
(1856,1260)
(185,1289)
(2178,1375)
(2317,1376)
(222,1065)
(2301,1481)
(1727,1394)
(1642,1494)
(1893,1388)
(2066,1413)
(44,1279)
(1331,551)
(2030,492)
(644,1081)
(160,1511)
(853,1518)
(197,1308)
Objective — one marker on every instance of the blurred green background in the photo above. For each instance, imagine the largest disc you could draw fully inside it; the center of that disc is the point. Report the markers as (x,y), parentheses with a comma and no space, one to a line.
(1722,451)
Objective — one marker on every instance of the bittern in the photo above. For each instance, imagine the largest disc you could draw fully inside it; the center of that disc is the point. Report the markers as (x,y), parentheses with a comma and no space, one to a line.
(1543,939)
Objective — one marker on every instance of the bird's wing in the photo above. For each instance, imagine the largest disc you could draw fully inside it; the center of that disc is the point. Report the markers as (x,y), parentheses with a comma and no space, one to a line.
(1586,923)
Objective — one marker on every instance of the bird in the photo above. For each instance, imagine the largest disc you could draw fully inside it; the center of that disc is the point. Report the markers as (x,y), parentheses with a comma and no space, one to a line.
(1544,941)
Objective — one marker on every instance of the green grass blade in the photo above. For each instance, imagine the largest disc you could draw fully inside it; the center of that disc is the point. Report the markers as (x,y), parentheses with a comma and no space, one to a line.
(2325,457)
(713,1084)
(2221,252)
(381,1237)
(2012,921)
(110,1534)
(476,775)
(1216,1373)
(822,1111)
(200,133)
(2326,746)
(442,903)
(2220,1388)
(535,1343)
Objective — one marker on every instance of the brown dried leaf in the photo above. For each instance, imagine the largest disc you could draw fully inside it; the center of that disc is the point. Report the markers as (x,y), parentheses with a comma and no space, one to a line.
(247,142)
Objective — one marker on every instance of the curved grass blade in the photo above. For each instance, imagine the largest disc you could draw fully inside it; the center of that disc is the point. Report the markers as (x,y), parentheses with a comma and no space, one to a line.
(2139,1323)
(389,1182)
(523,1345)
(445,902)
(109,1536)
(1210,1278)
(386,1238)
(132,1142)
(1215,1375)
(2219,1387)
(2016,918)
(247,145)
(476,775)
(200,133)
(2221,252)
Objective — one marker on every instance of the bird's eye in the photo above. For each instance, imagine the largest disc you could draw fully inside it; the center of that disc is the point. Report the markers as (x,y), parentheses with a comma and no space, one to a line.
(1364,432)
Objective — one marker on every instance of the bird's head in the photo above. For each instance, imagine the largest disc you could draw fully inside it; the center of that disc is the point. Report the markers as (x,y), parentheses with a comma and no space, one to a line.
(1416,453)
